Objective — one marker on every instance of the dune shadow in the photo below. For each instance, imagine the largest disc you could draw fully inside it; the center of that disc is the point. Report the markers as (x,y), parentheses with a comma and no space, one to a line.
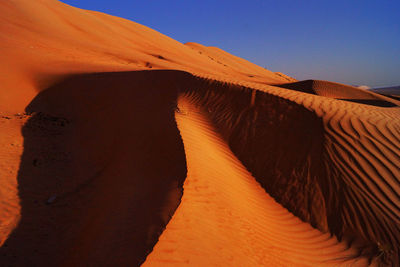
(276,140)
(301,86)
(101,173)
(283,145)
(103,165)
(372,102)
(395,97)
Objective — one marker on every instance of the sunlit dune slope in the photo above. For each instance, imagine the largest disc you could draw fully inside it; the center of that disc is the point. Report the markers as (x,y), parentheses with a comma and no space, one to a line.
(336,167)
(226,218)
(122,146)
(287,77)
(42,40)
(237,66)
(282,137)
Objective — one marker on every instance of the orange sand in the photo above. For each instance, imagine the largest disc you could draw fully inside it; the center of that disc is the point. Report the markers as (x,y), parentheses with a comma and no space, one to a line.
(226,217)
(122,146)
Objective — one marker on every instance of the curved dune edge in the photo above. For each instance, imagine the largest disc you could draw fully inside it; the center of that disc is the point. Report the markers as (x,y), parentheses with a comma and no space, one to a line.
(364,218)
(100,175)
(11,143)
(226,218)
(43,41)
(347,184)
(361,163)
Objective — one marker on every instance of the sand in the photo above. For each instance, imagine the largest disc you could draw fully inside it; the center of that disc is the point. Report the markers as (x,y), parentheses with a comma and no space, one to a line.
(225,212)
(121,146)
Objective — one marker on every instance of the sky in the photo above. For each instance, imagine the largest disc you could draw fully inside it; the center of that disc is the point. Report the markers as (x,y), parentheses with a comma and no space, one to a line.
(347,41)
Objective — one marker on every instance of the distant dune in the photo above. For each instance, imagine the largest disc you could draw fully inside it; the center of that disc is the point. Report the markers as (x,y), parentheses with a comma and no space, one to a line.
(123,147)
(339,91)
(393,92)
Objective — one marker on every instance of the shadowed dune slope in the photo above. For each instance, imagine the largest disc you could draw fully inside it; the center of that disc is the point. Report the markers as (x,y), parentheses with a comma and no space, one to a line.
(333,163)
(226,218)
(98,197)
(101,173)
(93,174)
(362,158)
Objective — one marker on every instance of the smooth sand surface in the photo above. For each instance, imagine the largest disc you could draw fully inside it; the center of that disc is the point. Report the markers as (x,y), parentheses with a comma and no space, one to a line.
(121,146)
(45,40)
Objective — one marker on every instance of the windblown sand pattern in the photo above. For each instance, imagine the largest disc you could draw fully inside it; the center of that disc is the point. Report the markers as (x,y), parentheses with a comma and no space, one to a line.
(123,147)
(355,177)
(224,211)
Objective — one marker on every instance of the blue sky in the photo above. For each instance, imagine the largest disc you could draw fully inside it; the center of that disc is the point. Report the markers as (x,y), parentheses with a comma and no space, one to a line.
(347,41)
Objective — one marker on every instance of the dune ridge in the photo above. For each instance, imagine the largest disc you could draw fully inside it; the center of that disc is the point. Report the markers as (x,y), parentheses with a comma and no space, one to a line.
(46,40)
(339,91)
(371,167)
(227,218)
(102,167)
(229,107)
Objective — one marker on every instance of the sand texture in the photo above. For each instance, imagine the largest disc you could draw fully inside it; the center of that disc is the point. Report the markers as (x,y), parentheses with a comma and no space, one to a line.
(120,146)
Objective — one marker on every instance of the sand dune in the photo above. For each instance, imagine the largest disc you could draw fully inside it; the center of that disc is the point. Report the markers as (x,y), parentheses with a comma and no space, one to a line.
(393,92)
(340,91)
(226,218)
(45,40)
(96,154)
(122,146)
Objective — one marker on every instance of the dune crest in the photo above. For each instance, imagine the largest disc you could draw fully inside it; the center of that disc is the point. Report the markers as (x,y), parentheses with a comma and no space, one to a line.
(227,218)
(122,146)
(45,40)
